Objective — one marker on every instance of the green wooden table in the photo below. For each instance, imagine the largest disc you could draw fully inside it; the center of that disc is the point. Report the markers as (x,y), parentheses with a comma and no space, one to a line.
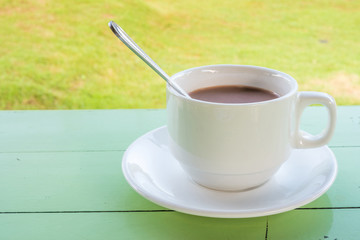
(61,178)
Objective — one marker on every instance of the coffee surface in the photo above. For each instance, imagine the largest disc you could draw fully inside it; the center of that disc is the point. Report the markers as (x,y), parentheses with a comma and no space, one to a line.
(233,94)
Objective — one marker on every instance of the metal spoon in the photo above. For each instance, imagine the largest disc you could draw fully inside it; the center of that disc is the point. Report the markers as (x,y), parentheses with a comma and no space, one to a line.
(121,34)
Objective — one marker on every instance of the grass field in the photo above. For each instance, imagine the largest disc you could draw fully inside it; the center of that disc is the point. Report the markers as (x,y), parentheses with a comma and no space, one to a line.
(62,55)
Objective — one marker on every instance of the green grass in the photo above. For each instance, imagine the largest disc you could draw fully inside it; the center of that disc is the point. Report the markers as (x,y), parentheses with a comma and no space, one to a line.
(62,55)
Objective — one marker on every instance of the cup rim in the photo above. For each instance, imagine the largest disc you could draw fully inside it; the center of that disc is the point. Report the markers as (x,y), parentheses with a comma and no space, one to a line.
(287,76)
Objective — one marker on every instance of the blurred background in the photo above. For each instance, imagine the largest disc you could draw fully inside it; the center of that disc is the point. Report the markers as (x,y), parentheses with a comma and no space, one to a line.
(62,55)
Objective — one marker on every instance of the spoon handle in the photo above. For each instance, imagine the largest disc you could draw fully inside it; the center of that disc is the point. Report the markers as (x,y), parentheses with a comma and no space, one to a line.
(122,35)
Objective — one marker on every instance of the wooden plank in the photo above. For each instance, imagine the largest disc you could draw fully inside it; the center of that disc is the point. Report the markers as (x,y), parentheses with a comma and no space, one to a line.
(75,181)
(109,130)
(93,181)
(34,131)
(315,224)
(169,225)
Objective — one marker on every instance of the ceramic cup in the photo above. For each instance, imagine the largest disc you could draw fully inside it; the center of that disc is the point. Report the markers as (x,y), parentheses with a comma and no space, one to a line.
(235,147)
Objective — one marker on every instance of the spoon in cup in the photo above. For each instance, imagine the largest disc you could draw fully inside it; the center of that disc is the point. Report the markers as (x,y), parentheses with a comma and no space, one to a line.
(122,35)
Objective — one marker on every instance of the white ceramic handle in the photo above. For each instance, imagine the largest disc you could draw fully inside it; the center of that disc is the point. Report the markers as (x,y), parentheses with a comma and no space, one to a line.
(303,139)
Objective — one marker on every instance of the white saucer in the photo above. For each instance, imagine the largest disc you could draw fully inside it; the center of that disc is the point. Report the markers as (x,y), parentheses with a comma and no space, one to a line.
(155,174)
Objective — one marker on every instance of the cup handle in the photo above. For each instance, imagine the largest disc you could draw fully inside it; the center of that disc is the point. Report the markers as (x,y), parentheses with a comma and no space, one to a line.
(306,140)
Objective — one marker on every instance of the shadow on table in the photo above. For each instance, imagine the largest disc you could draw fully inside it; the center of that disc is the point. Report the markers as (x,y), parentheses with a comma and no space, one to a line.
(295,224)
(302,223)
(175,225)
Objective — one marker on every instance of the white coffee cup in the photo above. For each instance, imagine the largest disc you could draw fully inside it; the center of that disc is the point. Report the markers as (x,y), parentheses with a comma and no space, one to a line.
(235,147)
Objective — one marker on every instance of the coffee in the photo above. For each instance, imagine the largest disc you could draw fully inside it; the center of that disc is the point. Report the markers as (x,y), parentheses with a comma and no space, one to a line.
(233,94)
